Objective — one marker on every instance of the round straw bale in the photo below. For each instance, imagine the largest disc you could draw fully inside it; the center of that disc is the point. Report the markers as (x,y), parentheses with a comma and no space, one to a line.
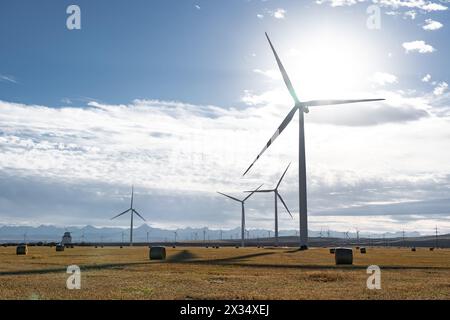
(157,253)
(22,249)
(362,250)
(413,249)
(59,247)
(332,250)
(343,255)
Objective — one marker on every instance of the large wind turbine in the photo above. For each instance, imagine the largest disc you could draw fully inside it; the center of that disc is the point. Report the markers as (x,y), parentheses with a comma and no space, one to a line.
(303,108)
(277,195)
(243,211)
(132,210)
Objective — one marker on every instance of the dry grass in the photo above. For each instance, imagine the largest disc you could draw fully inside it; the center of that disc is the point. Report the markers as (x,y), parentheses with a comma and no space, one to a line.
(225,273)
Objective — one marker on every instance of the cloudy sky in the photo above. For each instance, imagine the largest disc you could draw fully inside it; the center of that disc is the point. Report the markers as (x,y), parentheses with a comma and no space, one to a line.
(178,97)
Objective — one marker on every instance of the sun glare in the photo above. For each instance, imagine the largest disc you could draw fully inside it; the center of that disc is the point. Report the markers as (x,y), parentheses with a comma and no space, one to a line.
(328,66)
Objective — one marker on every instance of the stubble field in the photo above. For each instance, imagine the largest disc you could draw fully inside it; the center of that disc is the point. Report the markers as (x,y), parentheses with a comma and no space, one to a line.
(224,273)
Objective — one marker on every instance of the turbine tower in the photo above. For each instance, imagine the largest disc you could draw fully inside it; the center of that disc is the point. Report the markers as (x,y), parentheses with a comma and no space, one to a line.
(303,108)
(276,197)
(243,211)
(132,211)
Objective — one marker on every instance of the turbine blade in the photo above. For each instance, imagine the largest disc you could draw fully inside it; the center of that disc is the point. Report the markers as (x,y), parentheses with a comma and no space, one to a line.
(252,193)
(314,103)
(120,214)
(233,198)
(283,175)
(132,195)
(138,215)
(259,191)
(284,204)
(275,135)
(286,79)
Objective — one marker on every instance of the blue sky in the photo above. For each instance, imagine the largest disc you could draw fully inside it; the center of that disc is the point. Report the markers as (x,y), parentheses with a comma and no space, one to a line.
(179,96)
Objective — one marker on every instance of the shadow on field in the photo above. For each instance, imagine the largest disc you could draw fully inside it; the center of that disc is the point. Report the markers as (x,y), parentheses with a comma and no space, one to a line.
(184,255)
(237,261)
(187,257)
(63,269)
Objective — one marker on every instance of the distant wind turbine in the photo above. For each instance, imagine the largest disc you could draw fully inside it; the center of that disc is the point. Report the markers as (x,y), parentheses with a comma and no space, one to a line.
(303,108)
(242,210)
(132,211)
(276,197)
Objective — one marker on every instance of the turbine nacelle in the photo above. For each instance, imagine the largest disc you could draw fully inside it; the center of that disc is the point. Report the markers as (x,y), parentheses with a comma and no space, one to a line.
(304,109)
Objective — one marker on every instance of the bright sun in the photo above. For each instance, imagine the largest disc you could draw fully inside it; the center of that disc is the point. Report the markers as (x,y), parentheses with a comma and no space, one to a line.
(328,66)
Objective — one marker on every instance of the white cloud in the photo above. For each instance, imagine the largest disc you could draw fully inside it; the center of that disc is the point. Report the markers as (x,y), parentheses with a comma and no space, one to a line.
(418,4)
(417,46)
(426,78)
(424,5)
(440,88)
(260,16)
(383,78)
(279,13)
(339,3)
(6,78)
(432,25)
(179,154)
(271,73)
(433,6)
(411,14)
(66,101)
(197,7)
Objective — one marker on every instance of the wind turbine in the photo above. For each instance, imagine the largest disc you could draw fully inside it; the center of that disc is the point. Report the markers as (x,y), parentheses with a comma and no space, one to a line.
(347,237)
(132,211)
(303,108)
(276,196)
(242,210)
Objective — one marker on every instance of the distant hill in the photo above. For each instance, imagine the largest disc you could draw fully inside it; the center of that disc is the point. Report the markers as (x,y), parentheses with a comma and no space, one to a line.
(108,234)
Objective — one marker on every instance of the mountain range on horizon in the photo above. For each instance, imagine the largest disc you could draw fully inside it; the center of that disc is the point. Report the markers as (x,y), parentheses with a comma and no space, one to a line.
(144,232)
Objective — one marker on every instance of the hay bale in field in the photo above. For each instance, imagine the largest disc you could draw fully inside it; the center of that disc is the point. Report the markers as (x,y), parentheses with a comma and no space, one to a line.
(362,250)
(332,250)
(431,249)
(59,247)
(121,247)
(413,249)
(22,249)
(96,247)
(343,255)
(217,247)
(357,248)
(157,253)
